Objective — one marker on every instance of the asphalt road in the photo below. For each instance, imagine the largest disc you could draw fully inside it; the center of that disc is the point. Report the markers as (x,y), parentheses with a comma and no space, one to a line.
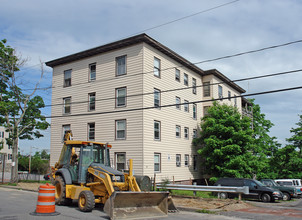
(18,204)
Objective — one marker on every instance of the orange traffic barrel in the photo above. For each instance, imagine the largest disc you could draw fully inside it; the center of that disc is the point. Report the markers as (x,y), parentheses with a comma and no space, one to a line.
(46,201)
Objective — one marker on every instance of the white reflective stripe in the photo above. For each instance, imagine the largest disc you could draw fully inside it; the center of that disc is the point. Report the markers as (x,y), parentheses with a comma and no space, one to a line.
(46,189)
(46,194)
(45,203)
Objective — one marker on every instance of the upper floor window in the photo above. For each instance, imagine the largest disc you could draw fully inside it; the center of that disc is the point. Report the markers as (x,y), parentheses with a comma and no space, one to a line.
(186,133)
(177,75)
(194,133)
(186,80)
(92,72)
(65,128)
(67,78)
(156,130)
(156,67)
(67,105)
(195,162)
(205,110)
(177,99)
(157,98)
(193,85)
(206,89)
(186,106)
(177,131)
(120,94)
(91,105)
(229,95)
(120,129)
(235,101)
(121,65)
(178,160)
(220,91)
(91,131)
(194,111)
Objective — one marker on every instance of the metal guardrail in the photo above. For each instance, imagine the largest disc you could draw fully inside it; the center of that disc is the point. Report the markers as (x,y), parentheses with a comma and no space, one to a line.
(194,188)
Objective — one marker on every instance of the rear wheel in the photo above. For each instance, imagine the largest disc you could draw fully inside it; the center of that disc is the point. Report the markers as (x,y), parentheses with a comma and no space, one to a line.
(265,197)
(86,201)
(223,195)
(286,196)
(60,195)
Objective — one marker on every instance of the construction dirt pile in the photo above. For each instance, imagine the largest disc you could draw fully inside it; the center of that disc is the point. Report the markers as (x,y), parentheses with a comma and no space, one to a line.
(209,204)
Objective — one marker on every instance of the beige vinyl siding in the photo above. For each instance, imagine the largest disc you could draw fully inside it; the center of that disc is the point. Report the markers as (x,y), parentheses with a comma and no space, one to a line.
(169,117)
(104,86)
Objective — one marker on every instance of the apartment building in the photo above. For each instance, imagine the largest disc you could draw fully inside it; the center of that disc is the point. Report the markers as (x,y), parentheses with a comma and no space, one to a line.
(141,97)
(5,150)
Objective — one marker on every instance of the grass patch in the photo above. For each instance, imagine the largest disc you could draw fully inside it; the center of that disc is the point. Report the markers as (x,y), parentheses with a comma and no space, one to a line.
(34,181)
(205,211)
(10,184)
(190,193)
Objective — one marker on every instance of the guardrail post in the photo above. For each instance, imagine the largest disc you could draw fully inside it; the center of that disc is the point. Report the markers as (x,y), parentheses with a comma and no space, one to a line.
(239,197)
(194,192)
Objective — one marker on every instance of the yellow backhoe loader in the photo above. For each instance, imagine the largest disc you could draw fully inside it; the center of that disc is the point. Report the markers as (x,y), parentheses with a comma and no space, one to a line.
(83,173)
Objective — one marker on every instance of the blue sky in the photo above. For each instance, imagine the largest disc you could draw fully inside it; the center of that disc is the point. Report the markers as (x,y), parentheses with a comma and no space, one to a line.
(46,30)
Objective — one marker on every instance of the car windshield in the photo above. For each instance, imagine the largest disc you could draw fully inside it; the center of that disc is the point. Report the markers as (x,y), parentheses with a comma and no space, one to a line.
(259,183)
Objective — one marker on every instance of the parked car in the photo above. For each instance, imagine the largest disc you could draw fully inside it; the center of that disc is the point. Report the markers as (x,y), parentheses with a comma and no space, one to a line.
(291,182)
(256,189)
(288,191)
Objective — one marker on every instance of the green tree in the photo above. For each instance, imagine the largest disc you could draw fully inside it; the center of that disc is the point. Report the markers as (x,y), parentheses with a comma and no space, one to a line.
(20,113)
(226,143)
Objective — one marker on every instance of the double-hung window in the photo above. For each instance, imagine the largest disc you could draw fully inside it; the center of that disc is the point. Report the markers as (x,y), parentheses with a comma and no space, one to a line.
(235,101)
(186,80)
(156,67)
(194,111)
(186,160)
(186,133)
(186,106)
(121,65)
(177,100)
(193,85)
(120,94)
(220,91)
(91,131)
(178,160)
(157,161)
(120,129)
(157,130)
(120,161)
(91,105)
(92,72)
(157,98)
(177,131)
(67,78)
(67,105)
(177,75)
(206,89)
(194,133)
(229,95)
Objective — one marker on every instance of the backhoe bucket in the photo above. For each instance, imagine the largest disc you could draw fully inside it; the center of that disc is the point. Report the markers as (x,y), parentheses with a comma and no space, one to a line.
(122,205)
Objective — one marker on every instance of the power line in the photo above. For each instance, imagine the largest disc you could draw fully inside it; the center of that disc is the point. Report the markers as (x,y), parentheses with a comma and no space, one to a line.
(184,88)
(170,105)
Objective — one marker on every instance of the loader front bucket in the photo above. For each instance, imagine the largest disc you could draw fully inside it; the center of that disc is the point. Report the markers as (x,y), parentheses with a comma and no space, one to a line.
(122,205)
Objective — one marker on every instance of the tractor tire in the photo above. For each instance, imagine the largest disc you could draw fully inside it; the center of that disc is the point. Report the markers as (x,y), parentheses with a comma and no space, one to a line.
(86,201)
(60,195)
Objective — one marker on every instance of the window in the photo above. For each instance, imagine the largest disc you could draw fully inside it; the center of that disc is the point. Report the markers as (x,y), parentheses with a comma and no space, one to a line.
(67,78)
(120,94)
(177,99)
(186,133)
(229,95)
(194,111)
(92,72)
(220,91)
(186,160)
(178,160)
(91,131)
(120,161)
(193,85)
(121,65)
(195,162)
(156,67)
(186,79)
(194,133)
(156,130)
(67,105)
(186,106)
(9,156)
(157,161)
(206,89)
(235,101)
(91,105)
(65,128)
(156,98)
(177,75)
(205,110)
(120,129)
(177,130)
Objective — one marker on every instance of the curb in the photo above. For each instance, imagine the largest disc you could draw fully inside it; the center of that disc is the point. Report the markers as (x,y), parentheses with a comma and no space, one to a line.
(18,188)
